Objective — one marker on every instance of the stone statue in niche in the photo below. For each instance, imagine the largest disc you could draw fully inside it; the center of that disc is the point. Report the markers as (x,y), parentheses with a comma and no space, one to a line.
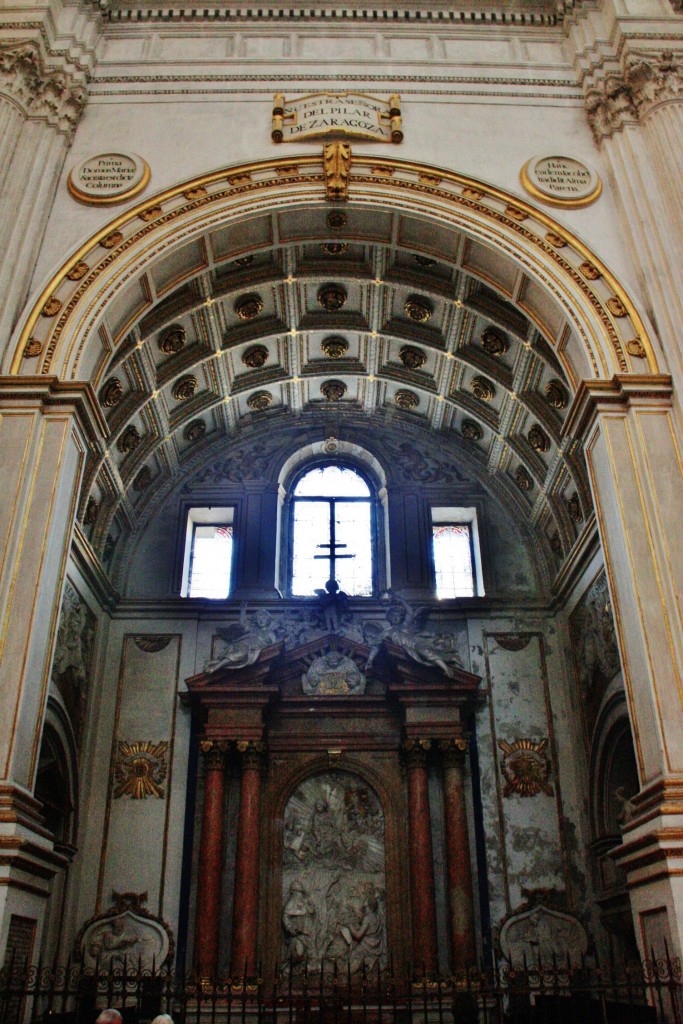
(404,628)
(333,673)
(333,881)
(539,934)
(243,641)
(595,646)
(72,655)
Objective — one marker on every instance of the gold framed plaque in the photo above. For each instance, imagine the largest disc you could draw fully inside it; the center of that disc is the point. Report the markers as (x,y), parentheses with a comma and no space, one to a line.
(561,181)
(107,178)
(330,115)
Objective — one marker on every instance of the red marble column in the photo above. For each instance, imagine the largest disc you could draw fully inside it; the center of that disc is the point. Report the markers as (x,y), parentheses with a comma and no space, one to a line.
(245,909)
(210,859)
(461,900)
(422,899)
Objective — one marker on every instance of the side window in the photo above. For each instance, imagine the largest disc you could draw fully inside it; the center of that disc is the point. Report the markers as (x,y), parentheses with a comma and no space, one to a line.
(455,553)
(207,563)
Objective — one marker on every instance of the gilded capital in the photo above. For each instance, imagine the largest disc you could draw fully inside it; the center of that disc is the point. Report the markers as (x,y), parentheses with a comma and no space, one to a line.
(56,95)
(414,752)
(213,754)
(454,752)
(252,753)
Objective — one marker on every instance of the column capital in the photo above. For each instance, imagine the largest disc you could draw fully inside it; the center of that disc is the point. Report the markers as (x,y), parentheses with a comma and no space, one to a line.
(213,754)
(414,751)
(626,94)
(454,752)
(252,752)
(56,95)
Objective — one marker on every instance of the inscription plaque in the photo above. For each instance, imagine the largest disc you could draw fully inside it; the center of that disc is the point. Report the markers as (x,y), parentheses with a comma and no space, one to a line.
(349,115)
(107,178)
(561,181)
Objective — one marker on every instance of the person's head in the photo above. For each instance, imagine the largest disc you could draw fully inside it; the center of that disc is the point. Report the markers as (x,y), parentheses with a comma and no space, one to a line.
(163,1018)
(396,614)
(109,1016)
(262,619)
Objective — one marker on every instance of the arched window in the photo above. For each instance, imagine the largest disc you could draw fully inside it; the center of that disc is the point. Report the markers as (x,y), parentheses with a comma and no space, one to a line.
(332,530)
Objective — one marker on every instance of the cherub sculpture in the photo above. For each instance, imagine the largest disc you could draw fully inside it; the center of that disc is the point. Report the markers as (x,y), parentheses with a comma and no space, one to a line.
(404,629)
(244,640)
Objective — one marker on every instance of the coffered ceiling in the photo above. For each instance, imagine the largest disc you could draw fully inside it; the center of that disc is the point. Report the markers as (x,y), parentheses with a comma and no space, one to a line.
(338,309)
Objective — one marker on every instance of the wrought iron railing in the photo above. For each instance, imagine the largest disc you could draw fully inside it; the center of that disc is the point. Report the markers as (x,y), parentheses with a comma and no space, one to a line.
(552,993)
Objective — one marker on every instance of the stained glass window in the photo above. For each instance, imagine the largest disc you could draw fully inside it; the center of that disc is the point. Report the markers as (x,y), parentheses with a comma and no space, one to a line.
(452,547)
(332,532)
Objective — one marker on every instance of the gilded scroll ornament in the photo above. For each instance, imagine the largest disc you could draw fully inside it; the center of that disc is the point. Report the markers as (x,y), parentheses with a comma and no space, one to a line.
(617,307)
(412,358)
(557,394)
(471,431)
(335,346)
(406,399)
(494,342)
(538,439)
(112,393)
(333,390)
(195,193)
(51,307)
(260,401)
(255,357)
(483,389)
(32,348)
(129,440)
(635,347)
(337,169)
(112,240)
(418,309)
(248,307)
(515,213)
(140,769)
(526,768)
(557,241)
(78,271)
(184,388)
(194,431)
(589,270)
(151,213)
(332,297)
(172,340)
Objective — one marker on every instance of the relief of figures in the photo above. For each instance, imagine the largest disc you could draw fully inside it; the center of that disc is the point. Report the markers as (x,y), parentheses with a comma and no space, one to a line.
(333,875)
(404,628)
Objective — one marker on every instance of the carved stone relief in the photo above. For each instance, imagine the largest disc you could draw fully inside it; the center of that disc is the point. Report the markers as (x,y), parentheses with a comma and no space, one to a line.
(594,646)
(72,656)
(125,933)
(54,95)
(404,627)
(539,934)
(333,673)
(333,877)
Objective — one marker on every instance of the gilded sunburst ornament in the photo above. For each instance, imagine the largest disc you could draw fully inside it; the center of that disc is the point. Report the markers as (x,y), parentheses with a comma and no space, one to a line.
(140,769)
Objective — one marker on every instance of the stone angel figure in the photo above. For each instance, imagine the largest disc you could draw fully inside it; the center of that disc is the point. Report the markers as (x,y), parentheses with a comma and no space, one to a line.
(244,640)
(404,628)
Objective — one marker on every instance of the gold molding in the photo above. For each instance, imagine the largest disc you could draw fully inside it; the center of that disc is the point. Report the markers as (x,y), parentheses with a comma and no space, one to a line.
(255,179)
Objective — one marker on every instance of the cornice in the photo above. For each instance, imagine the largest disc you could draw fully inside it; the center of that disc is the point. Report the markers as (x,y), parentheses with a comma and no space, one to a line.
(57,96)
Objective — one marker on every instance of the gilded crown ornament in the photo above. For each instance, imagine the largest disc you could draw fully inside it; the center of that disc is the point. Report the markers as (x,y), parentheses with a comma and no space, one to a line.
(194,430)
(483,389)
(129,440)
(333,390)
(471,431)
(332,297)
(112,393)
(557,394)
(412,358)
(260,401)
(248,307)
(406,399)
(172,340)
(255,357)
(184,388)
(538,439)
(494,342)
(335,346)
(418,309)
(143,479)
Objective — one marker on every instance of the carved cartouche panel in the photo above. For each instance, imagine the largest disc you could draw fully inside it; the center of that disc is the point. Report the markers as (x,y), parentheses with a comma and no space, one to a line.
(333,883)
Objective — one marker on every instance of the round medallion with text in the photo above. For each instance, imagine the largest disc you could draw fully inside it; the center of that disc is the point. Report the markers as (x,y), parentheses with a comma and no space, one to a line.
(561,180)
(108,178)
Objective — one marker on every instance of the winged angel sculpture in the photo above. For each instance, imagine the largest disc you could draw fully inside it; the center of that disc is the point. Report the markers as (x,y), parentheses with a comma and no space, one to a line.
(244,640)
(404,628)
